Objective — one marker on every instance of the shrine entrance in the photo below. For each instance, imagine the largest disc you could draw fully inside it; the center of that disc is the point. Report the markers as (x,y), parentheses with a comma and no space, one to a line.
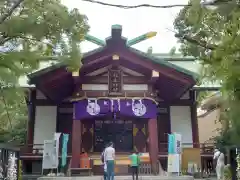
(118,131)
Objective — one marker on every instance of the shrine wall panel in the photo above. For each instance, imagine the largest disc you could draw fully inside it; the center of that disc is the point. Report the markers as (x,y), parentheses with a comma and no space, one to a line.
(45,123)
(181,123)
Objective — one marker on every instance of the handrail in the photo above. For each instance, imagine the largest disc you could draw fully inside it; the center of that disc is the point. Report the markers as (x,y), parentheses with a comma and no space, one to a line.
(37,149)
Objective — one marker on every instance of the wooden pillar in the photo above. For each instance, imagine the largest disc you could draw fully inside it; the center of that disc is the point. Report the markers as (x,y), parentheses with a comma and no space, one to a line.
(153,144)
(76,131)
(76,142)
(31,103)
(194,120)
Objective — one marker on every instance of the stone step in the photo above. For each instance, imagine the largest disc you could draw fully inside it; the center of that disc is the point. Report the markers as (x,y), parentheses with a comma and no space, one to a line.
(30,177)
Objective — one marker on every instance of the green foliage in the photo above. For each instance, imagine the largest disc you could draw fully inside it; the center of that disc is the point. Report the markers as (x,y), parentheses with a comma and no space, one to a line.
(13,116)
(213,37)
(202,95)
(172,51)
(31,32)
(227,172)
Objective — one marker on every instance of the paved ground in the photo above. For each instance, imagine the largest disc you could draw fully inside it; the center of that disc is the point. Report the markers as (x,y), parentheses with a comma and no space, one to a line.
(140,178)
(32,177)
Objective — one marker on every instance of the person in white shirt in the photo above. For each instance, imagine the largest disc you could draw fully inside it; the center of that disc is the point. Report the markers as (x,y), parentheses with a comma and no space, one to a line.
(104,164)
(109,157)
(219,157)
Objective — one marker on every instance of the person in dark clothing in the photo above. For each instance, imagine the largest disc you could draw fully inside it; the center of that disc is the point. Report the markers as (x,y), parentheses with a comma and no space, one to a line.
(135,162)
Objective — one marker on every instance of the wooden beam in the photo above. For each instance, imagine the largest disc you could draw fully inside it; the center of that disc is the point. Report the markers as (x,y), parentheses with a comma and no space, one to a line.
(44,102)
(155,76)
(153,143)
(178,102)
(99,59)
(86,69)
(166,71)
(31,116)
(76,142)
(194,120)
(104,80)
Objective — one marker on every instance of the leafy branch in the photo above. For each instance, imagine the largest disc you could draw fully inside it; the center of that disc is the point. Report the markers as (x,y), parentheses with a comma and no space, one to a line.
(32,32)
(10,11)
(136,6)
(196,42)
(6,108)
(214,2)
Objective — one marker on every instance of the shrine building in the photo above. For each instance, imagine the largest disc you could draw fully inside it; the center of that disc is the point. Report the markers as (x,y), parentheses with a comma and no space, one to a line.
(120,94)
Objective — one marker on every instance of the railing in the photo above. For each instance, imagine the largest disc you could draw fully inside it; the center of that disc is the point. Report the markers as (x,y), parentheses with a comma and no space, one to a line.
(144,167)
(9,162)
(206,149)
(31,149)
(35,151)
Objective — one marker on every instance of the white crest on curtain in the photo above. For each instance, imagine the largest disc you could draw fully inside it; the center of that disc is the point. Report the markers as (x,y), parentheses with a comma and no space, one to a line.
(93,108)
(112,105)
(138,108)
(119,108)
(105,103)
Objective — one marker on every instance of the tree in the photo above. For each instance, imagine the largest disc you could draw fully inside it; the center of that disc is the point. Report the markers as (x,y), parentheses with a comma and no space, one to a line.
(213,37)
(172,51)
(31,32)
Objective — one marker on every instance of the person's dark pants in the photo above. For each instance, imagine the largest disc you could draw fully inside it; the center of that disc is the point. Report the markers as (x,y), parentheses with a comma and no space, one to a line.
(134,172)
(110,170)
(105,175)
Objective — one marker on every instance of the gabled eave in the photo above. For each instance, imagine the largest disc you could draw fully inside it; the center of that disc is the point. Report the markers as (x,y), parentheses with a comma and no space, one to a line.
(165,63)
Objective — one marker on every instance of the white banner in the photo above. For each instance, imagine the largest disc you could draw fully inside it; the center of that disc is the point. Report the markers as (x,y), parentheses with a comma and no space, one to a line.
(56,139)
(178,143)
(48,161)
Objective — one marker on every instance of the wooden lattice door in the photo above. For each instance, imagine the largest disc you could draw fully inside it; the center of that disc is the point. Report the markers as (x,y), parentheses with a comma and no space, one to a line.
(140,135)
(87,135)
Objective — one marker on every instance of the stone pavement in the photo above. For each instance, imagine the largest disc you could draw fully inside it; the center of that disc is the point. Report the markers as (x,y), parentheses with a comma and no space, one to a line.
(119,178)
(116,178)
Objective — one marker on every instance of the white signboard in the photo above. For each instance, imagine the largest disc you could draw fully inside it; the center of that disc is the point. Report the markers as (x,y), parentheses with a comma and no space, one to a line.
(174,160)
(173,163)
(49,155)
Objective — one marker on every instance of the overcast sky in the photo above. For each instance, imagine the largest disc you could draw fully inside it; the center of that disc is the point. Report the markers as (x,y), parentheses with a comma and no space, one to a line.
(135,22)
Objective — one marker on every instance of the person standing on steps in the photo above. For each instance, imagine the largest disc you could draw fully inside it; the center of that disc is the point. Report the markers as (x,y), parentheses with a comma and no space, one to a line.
(104,163)
(109,157)
(135,161)
(218,158)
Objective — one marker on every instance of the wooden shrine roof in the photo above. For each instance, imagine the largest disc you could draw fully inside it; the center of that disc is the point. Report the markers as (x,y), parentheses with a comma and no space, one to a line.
(174,73)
